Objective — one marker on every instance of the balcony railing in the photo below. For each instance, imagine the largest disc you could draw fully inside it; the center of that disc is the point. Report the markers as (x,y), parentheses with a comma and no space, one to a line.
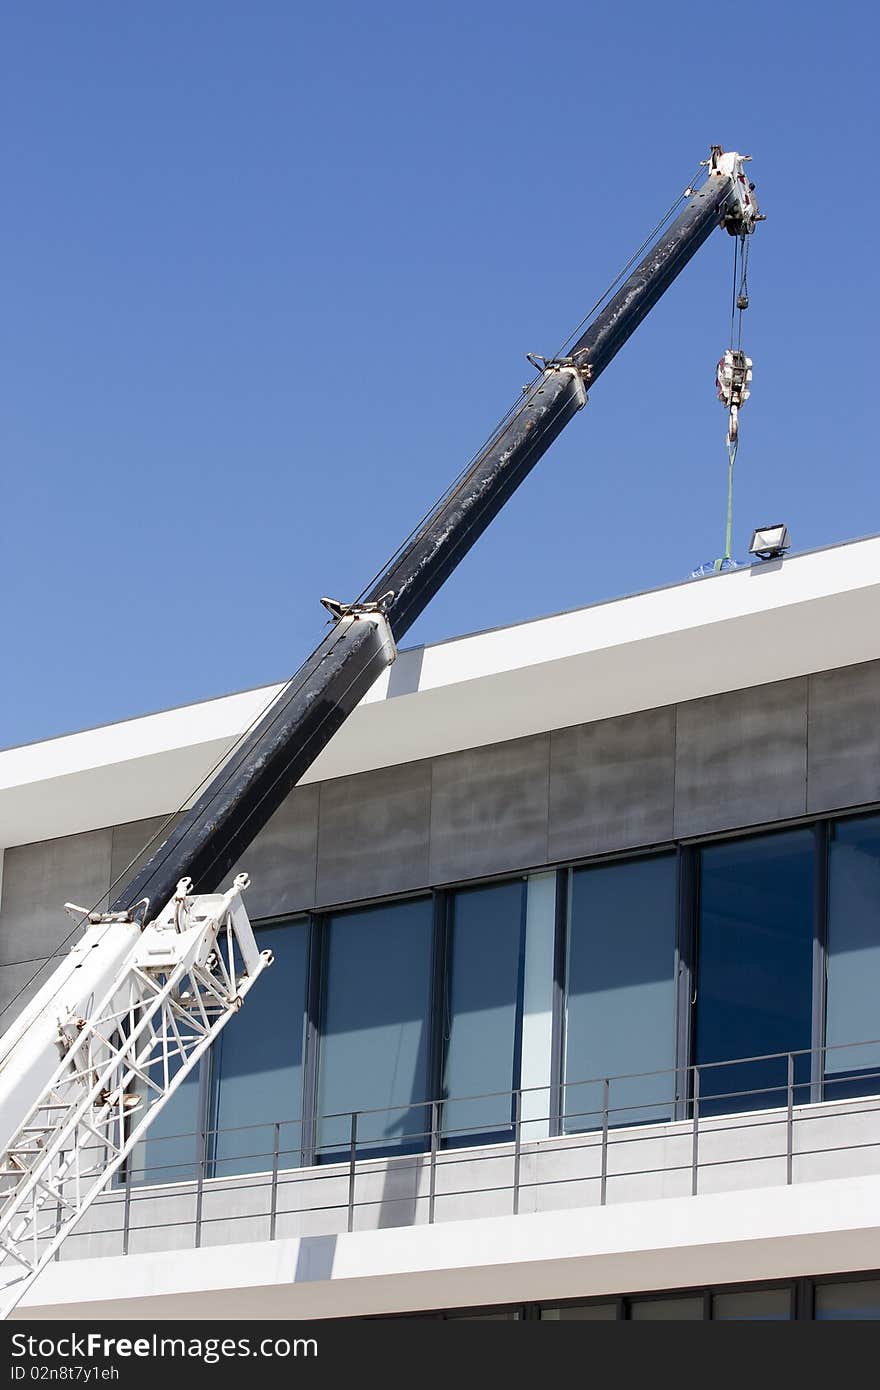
(679,1139)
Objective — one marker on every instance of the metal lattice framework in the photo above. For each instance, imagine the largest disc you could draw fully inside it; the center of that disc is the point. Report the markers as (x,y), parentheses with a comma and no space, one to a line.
(186,976)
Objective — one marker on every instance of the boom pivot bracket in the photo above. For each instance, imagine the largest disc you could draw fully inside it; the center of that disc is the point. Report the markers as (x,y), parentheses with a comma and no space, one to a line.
(374,612)
(740,219)
(564,366)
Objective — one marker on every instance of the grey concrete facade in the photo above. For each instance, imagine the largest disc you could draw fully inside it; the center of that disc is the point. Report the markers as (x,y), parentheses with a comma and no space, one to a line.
(612,784)
(364,823)
(740,758)
(39,879)
(744,758)
(490,806)
(844,737)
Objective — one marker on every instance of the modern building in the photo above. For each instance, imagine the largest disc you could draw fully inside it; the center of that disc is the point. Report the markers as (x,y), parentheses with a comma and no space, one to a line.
(576,998)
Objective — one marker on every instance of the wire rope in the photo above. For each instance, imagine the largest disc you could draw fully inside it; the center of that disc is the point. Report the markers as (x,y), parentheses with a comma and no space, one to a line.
(524,397)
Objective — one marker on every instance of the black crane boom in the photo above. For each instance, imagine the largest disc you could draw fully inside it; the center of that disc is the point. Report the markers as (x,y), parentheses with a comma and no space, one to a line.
(210,838)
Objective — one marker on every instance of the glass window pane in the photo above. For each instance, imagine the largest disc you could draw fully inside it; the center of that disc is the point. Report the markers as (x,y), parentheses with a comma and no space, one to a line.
(538,990)
(374,1035)
(666,1309)
(754,990)
(764,1305)
(853,957)
(483,1007)
(620,991)
(581,1312)
(858,1301)
(170,1152)
(174,1144)
(257,1063)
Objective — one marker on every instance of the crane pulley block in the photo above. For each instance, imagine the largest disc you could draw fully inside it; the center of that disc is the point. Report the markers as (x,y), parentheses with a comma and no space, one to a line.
(741,213)
(732,377)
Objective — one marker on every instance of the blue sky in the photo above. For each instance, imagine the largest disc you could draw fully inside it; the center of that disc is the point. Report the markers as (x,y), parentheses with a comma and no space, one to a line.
(270,273)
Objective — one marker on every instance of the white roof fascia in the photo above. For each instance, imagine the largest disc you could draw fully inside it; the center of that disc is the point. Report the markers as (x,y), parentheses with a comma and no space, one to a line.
(746,627)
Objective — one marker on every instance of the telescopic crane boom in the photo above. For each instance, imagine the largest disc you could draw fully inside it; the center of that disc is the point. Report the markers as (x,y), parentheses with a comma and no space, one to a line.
(210,839)
(143,993)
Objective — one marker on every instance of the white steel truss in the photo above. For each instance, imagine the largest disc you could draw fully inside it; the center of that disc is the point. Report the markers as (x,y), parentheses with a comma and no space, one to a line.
(184,978)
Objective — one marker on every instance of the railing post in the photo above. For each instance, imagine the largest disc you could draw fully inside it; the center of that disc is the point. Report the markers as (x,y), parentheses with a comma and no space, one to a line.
(432,1167)
(603,1178)
(789,1122)
(273,1207)
(517,1147)
(126,1206)
(200,1187)
(352,1168)
(695,1144)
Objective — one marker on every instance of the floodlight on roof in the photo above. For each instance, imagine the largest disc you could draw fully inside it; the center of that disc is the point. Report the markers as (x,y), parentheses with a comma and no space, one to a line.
(770,542)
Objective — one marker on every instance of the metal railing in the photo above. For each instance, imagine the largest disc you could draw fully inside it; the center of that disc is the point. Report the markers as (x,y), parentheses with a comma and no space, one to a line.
(348,1152)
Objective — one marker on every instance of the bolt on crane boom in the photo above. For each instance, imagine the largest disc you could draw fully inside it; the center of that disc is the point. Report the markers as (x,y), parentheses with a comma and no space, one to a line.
(173,959)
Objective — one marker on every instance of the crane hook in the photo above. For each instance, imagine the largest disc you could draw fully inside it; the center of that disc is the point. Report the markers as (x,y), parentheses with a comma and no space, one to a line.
(732,377)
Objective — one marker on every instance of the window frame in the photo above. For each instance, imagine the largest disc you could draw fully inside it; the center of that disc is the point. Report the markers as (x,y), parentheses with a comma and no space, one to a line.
(211,1078)
(818,966)
(567,924)
(317,1003)
(446,926)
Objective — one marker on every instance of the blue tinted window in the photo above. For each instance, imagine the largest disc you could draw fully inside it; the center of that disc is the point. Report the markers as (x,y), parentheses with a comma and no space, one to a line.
(374,1033)
(174,1143)
(754,978)
(258,1059)
(620,992)
(853,958)
(483,1010)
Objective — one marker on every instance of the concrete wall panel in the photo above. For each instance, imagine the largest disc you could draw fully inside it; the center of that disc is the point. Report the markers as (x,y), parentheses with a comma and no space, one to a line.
(282,859)
(741,758)
(489,809)
(38,880)
(844,737)
(18,985)
(373,833)
(611,784)
(132,845)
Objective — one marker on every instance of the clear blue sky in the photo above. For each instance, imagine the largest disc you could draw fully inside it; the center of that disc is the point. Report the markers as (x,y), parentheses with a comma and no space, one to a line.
(270,272)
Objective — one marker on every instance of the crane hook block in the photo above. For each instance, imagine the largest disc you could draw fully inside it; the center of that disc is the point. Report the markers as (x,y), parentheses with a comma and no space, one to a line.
(732,378)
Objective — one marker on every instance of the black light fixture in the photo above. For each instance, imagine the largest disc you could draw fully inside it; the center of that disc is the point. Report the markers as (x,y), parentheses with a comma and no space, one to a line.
(770,542)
